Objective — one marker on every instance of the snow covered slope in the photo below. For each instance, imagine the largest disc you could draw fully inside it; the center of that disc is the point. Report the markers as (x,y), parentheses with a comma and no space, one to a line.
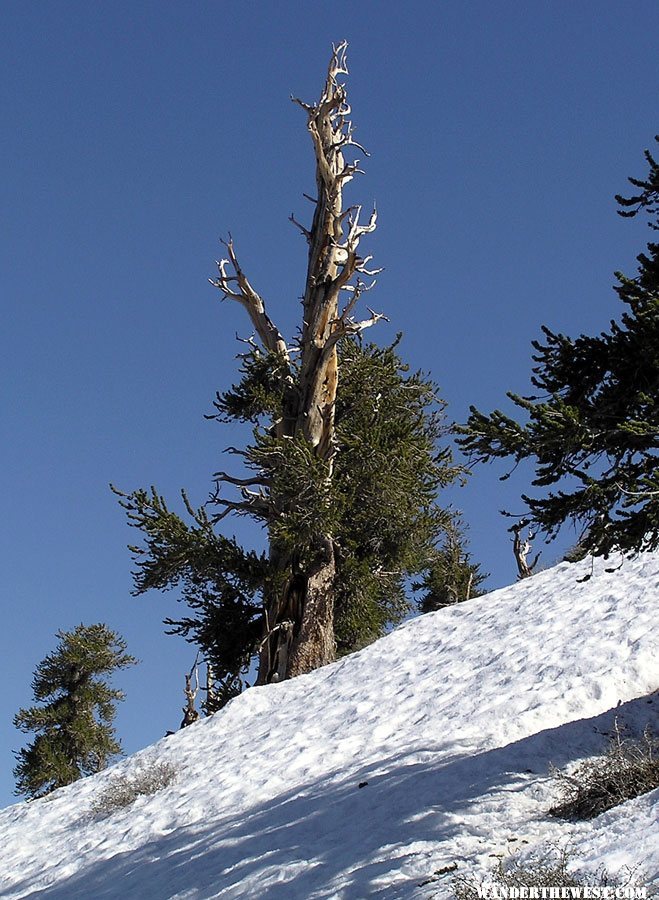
(429,748)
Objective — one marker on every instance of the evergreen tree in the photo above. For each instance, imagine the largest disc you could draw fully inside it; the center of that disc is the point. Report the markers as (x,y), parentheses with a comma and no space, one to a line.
(342,471)
(385,521)
(452,577)
(73,721)
(595,429)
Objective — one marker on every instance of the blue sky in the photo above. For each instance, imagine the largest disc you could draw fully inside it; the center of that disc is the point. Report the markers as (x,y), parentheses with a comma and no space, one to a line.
(135,135)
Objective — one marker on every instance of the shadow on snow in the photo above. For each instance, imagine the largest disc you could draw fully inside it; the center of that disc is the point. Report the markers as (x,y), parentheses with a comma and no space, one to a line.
(310,841)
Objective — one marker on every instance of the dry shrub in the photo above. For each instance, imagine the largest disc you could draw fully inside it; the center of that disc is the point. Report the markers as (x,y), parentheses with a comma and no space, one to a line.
(123,790)
(629,768)
(547,869)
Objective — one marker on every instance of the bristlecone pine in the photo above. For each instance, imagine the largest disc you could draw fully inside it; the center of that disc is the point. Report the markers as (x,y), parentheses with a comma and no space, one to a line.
(343,470)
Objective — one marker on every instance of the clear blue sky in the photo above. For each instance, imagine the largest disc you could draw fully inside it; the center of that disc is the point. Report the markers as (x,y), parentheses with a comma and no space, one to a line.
(136,134)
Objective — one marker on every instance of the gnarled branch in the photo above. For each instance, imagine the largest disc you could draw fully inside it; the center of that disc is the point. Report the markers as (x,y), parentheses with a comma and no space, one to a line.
(237,287)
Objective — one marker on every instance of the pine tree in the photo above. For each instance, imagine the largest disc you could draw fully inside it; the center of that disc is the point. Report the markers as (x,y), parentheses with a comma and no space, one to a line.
(343,470)
(452,577)
(595,429)
(382,510)
(73,721)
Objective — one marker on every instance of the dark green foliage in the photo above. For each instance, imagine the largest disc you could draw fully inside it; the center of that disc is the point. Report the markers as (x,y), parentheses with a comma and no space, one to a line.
(576,553)
(219,582)
(595,427)
(259,390)
(388,473)
(73,723)
(380,508)
(629,768)
(452,576)
(222,692)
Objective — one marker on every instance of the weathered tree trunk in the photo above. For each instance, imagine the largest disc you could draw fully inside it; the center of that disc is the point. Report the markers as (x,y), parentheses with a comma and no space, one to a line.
(521,550)
(190,712)
(299,626)
(314,644)
(299,616)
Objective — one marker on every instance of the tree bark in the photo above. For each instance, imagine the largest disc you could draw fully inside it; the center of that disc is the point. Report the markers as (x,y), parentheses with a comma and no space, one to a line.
(299,628)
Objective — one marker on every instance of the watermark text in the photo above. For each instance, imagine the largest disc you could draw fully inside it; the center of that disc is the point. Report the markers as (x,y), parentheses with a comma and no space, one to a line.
(488,891)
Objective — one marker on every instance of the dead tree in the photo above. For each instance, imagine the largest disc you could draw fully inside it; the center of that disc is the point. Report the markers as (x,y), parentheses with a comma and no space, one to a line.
(521,548)
(298,621)
(190,713)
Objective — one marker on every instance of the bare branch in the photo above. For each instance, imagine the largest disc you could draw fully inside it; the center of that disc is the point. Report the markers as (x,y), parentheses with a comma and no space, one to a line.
(370,272)
(239,507)
(357,230)
(366,323)
(345,326)
(307,107)
(238,482)
(252,503)
(284,624)
(305,231)
(636,493)
(350,170)
(250,342)
(350,142)
(237,287)
(350,305)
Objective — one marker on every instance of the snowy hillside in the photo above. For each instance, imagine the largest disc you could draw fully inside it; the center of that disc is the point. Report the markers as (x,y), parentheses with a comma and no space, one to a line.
(429,748)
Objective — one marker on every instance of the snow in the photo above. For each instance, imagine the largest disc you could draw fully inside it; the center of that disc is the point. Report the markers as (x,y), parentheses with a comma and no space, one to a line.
(430,748)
